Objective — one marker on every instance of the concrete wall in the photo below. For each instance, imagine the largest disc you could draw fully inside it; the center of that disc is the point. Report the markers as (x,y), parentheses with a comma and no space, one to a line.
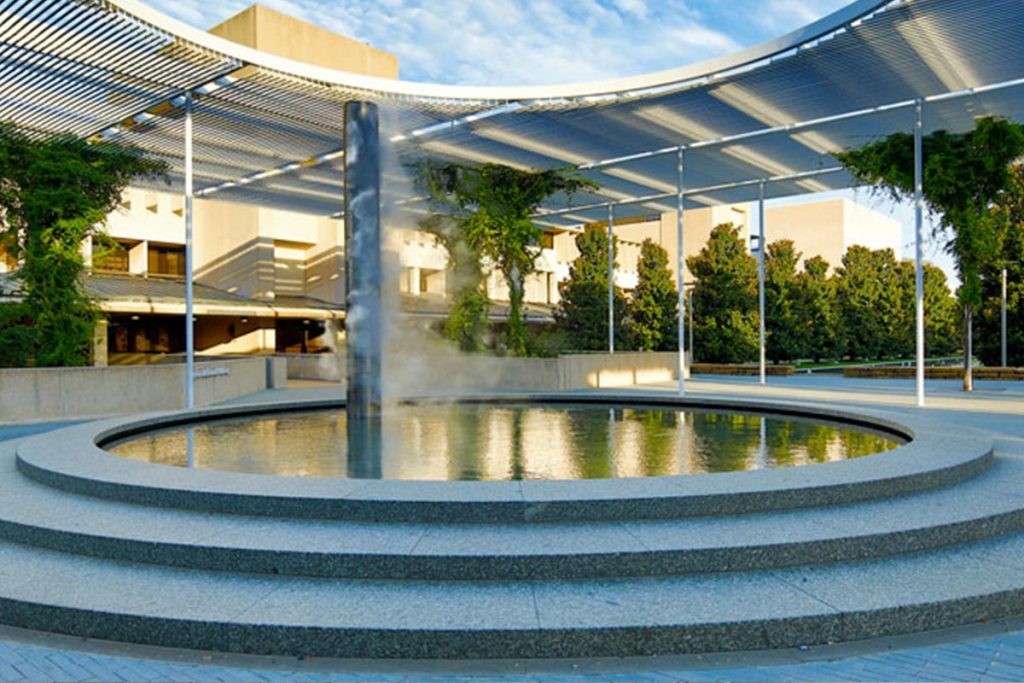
(582,371)
(268,30)
(817,229)
(602,370)
(43,394)
(872,229)
(327,367)
(828,228)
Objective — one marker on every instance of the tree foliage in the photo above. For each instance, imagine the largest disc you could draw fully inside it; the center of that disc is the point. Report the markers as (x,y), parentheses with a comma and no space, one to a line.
(725,298)
(482,217)
(941,314)
(653,320)
(865,310)
(989,320)
(54,194)
(582,312)
(964,173)
(784,328)
(871,302)
(823,331)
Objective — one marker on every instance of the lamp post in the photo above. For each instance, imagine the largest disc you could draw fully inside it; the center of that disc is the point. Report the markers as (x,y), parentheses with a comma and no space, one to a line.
(1002,321)
(757,248)
(1002,313)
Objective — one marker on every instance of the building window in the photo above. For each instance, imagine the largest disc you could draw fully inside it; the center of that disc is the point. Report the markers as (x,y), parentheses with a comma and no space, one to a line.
(547,240)
(166,260)
(110,259)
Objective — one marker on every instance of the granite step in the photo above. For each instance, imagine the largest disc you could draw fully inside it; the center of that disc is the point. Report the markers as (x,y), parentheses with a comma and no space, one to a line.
(983,507)
(325,617)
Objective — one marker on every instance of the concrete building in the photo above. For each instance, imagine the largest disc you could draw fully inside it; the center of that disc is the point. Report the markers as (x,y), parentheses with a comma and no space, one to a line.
(828,228)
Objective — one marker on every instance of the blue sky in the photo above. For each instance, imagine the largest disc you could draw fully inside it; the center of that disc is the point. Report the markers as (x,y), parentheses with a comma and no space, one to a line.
(521,42)
(514,42)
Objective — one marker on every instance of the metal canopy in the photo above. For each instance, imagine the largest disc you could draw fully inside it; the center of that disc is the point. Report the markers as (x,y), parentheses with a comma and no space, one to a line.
(268,130)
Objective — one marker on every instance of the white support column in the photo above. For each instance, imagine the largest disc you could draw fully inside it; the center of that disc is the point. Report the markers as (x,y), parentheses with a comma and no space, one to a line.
(1002,320)
(190,346)
(611,279)
(681,286)
(760,281)
(919,245)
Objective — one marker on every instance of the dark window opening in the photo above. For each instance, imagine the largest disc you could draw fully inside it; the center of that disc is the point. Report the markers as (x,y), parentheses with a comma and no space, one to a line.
(166,260)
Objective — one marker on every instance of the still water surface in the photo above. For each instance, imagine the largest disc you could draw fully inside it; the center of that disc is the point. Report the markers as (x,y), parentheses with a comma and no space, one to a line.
(503,442)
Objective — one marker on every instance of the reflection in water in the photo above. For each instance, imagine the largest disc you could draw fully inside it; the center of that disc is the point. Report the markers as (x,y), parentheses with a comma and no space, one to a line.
(501,442)
(191,447)
(365,447)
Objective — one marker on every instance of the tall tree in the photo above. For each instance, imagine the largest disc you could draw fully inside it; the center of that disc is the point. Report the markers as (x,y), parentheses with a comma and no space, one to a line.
(786,336)
(482,215)
(824,333)
(582,312)
(653,320)
(725,298)
(941,313)
(989,321)
(55,193)
(964,173)
(872,303)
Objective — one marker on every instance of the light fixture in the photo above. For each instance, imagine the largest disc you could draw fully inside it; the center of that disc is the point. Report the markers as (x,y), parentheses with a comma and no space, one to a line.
(135,317)
(245,321)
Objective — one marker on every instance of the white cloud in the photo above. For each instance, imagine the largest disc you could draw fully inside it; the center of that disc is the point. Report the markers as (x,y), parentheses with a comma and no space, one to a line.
(782,16)
(517,42)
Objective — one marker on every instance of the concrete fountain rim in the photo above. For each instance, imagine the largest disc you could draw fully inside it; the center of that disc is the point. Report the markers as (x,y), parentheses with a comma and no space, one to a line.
(938,453)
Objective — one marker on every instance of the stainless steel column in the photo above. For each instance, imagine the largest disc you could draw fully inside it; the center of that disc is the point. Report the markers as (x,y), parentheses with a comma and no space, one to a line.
(760,281)
(190,346)
(681,286)
(362,260)
(611,279)
(919,246)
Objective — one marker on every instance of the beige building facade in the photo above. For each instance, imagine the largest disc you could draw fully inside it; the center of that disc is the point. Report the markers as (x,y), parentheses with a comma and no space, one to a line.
(828,228)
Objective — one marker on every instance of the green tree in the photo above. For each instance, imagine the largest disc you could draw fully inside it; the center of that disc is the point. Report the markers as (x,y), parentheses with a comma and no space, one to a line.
(653,317)
(482,214)
(54,194)
(582,313)
(823,332)
(964,173)
(941,313)
(989,319)
(784,319)
(725,298)
(873,304)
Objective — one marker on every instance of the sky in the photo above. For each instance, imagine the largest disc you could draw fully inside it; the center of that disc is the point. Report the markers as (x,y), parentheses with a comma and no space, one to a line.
(533,42)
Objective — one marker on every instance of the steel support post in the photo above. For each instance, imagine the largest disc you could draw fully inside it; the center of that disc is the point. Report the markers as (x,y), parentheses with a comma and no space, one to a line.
(190,345)
(760,283)
(611,279)
(919,246)
(681,285)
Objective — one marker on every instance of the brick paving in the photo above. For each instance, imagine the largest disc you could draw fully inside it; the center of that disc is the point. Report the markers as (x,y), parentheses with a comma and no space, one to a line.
(990,652)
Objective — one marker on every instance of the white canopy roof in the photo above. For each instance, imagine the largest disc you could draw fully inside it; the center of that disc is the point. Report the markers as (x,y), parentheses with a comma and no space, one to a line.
(269,130)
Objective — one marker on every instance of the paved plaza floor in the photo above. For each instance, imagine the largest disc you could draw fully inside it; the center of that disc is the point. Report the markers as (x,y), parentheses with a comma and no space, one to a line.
(984,651)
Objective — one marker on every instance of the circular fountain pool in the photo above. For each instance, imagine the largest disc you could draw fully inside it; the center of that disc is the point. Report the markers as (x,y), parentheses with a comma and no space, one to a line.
(480,441)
